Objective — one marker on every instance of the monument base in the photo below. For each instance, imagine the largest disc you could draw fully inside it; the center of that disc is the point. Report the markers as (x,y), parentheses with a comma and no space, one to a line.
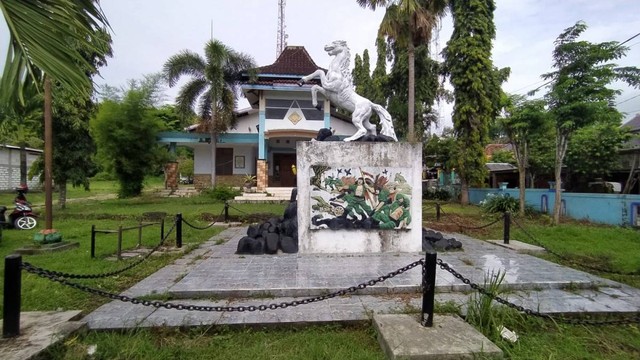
(359,197)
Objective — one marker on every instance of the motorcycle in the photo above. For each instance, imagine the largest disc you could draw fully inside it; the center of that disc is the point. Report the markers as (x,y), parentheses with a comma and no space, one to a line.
(22,217)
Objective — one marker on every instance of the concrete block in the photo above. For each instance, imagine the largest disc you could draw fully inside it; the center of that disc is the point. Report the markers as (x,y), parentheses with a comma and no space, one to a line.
(403,337)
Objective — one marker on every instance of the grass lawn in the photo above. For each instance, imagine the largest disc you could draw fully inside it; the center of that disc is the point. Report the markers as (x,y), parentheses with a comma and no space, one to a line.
(538,339)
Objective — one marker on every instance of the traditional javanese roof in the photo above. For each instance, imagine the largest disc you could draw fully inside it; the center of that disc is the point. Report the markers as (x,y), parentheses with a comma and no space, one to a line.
(633,124)
(294,60)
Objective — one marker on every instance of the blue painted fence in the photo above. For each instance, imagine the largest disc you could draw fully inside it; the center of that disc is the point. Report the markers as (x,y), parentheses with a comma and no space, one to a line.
(613,209)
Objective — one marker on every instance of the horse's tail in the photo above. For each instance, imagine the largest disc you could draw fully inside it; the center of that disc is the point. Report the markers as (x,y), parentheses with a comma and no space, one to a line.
(386,122)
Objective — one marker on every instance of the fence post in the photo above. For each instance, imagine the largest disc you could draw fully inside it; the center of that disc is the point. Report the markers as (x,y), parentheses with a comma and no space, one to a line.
(119,242)
(93,241)
(140,234)
(226,211)
(162,229)
(507,226)
(428,287)
(437,211)
(179,230)
(12,288)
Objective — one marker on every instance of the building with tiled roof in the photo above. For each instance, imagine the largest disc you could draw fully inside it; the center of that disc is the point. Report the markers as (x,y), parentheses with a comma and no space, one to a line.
(263,141)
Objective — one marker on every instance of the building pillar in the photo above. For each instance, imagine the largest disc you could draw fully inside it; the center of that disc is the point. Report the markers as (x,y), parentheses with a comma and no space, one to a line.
(327,114)
(171,175)
(263,175)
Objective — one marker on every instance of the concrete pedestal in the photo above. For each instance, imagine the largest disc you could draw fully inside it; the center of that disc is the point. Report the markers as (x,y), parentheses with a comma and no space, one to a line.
(328,175)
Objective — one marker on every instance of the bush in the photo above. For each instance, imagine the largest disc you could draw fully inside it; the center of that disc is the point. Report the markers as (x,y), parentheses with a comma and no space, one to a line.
(221,193)
(499,203)
(441,194)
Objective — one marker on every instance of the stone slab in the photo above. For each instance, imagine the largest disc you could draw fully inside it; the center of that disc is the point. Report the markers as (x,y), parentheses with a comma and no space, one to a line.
(38,331)
(519,246)
(403,337)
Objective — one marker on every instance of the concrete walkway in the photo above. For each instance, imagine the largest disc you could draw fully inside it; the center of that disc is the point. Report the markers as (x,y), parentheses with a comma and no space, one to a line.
(212,275)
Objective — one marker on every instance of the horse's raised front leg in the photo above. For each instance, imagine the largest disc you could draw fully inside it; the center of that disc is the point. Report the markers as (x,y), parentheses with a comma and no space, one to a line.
(304,79)
(315,89)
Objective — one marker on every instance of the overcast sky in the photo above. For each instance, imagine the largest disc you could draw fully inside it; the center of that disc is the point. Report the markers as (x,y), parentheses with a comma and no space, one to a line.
(148,32)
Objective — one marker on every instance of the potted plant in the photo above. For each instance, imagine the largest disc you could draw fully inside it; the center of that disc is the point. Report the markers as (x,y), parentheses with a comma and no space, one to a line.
(249,182)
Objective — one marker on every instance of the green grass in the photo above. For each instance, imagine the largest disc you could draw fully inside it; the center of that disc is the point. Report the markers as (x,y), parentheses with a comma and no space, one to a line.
(539,339)
(318,342)
(610,248)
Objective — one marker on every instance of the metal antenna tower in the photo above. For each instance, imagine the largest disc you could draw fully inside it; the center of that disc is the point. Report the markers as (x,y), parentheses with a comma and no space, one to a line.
(281,41)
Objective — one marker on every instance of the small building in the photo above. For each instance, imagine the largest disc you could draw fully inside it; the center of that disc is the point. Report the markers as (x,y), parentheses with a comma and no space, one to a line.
(10,167)
(263,142)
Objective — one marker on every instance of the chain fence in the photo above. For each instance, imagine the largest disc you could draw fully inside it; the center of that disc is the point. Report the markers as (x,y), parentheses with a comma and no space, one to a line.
(570,260)
(204,227)
(465,227)
(57,274)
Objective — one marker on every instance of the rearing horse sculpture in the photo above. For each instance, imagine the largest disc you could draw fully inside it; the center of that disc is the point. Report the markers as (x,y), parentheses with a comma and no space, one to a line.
(336,86)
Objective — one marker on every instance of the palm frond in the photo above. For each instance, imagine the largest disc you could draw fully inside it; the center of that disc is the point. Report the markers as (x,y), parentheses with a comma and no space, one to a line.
(41,38)
(185,63)
(190,93)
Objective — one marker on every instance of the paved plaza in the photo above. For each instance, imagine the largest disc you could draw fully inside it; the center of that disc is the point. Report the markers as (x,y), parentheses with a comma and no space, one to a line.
(213,275)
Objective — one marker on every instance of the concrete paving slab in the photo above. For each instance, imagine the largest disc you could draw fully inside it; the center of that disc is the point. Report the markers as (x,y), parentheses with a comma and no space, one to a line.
(519,246)
(403,337)
(38,331)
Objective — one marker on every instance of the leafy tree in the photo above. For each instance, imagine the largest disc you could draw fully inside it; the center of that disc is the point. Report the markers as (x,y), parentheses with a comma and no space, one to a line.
(52,50)
(426,91)
(503,156)
(523,118)
(593,150)
(407,24)
(214,83)
(439,150)
(579,93)
(362,75)
(125,133)
(476,85)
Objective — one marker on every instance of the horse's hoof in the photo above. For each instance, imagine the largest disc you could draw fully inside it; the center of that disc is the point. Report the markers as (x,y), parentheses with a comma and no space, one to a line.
(319,107)
(300,83)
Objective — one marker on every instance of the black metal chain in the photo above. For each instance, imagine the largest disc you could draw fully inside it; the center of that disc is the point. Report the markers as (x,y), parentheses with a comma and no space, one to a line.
(202,228)
(471,227)
(576,321)
(568,259)
(238,210)
(57,274)
(159,304)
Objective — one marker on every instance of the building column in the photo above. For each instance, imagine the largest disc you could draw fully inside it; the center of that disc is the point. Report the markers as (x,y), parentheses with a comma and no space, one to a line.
(327,114)
(263,174)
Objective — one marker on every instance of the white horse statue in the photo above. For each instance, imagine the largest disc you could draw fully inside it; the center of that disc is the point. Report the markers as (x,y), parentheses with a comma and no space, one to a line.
(338,88)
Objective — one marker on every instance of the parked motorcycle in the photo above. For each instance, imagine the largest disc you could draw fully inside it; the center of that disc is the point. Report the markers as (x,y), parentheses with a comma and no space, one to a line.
(22,217)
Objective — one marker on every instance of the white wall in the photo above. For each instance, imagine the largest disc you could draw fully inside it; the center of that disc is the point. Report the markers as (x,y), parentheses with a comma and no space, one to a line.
(10,169)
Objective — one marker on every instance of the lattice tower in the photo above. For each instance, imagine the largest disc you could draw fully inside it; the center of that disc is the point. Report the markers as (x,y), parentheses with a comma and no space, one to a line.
(281,41)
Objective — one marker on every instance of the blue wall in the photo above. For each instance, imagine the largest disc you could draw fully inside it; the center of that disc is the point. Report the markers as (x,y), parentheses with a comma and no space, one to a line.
(613,209)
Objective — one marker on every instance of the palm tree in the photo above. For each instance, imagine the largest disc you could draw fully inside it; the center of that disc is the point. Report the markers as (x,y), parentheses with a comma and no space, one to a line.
(409,23)
(42,34)
(214,84)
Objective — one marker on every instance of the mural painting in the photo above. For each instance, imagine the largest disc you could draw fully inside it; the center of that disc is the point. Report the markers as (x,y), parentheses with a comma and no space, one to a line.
(360,198)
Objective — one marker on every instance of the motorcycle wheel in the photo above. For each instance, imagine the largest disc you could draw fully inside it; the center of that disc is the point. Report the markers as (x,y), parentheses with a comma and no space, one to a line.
(25,223)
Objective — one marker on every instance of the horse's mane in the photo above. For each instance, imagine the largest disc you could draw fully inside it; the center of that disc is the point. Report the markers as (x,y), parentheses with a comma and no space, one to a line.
(344,66)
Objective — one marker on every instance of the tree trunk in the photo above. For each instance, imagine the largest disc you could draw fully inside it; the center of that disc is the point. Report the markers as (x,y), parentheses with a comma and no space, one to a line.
(214,143)
(561,147)
(48,155)
(23,164)
(62,194)
(412,93)
(522,173)
(630,179)
(464,191)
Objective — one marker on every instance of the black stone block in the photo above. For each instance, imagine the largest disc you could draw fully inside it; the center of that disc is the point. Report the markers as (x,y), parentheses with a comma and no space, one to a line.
(244,245)
(272,242)
(258,246)
(289,245)
(253,231)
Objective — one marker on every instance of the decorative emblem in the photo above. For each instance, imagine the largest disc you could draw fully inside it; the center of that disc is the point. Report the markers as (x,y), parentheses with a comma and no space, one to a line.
(295,117)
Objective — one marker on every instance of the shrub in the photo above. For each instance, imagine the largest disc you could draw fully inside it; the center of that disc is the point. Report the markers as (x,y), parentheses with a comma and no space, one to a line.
(441,194)
(499,203)
(221,193)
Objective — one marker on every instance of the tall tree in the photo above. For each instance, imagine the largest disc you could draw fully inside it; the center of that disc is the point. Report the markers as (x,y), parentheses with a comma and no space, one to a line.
(476,85)
(50,48)
(409,23)
(521,121)
(579,92)
(125,133)
(214,83)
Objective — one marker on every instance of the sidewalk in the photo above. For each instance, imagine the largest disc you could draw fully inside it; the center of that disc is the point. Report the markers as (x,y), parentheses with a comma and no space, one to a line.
(213,275)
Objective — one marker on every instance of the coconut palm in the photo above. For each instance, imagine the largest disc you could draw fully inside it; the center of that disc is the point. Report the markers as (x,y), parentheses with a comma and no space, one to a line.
(409,23)
(214,85)
(43,39)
